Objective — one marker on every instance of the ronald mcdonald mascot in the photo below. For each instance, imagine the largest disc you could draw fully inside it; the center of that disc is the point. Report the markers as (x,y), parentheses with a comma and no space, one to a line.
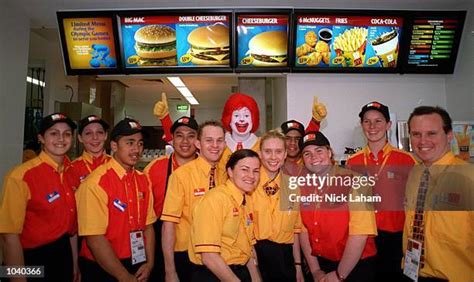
(241,119)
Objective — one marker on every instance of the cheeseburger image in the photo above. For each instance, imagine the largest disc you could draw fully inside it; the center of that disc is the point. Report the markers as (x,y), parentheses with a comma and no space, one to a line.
(209,45)
(269,49)
(156,45)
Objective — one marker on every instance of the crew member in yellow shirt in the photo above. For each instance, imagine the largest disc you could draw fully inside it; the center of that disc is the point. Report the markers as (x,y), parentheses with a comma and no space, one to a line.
(222,232)
(276,218)
(185,187)
(439,223)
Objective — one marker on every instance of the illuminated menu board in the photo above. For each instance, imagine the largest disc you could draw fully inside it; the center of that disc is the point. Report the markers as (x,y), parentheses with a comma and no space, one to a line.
(433,42)
(88,43)
(341,41)
(167,41)
(262,41)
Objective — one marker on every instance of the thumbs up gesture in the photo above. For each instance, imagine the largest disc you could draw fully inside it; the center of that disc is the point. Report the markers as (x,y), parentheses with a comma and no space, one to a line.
(160,110)
(319,110)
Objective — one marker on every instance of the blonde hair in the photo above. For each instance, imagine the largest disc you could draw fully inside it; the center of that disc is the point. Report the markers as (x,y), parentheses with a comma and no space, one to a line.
(274,133)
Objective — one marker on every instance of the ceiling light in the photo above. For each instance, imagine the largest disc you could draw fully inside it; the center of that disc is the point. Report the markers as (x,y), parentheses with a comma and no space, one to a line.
(176,81)
(192,101)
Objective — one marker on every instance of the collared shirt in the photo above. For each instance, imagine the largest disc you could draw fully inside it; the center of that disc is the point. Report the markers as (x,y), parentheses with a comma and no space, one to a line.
(113,202)
(222,224)
(157,173)
(37,203)
(391,168)
(185,187)
(330,226)
(83,166)
(292,168)
(253,143)
(448,238)
(276,218)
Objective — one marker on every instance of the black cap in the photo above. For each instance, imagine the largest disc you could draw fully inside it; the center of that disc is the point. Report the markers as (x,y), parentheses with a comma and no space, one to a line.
(185,121)
(377,107)
(52,119)
(287,126)
(91,119)
(127,127)
(314,138)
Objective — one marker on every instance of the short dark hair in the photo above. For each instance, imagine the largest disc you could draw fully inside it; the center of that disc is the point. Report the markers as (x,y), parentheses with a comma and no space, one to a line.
(209,123)
(428,110)
(238,155)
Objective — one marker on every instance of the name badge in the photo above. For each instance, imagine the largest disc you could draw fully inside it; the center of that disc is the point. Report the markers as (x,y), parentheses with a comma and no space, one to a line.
(235,212)
(199,191)
(119,205)
(412,259)
(137,244)
(249,219)
(52,197)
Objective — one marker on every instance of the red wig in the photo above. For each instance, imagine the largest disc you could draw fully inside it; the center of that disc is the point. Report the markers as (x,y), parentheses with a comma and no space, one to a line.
(237,101)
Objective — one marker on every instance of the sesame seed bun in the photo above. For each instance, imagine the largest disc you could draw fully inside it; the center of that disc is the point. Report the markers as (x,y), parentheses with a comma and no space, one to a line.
(155,34)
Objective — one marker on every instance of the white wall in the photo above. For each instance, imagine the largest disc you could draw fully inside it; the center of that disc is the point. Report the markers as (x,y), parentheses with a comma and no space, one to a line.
(460,85)
(344,95)
(279,101)
(14,26)
(49,52)
(255,87)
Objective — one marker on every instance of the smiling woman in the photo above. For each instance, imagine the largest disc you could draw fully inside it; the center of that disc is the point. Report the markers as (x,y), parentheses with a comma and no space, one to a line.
(33,194)
(222,230)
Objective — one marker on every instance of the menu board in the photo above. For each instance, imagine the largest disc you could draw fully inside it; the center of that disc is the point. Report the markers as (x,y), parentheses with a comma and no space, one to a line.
(262,41)
(433,43)
(164,41)
(88,43)
(338,41)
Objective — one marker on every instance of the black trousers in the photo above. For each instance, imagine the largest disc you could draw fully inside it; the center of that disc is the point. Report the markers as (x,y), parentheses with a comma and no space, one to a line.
(91,270)
(158,272)
(56,258)
(275,261)
(364,271)
(203,274)
(389,256)
(184,267)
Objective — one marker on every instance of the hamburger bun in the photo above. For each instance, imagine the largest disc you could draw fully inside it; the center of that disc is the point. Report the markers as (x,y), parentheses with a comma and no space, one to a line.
(155,34)
(155,42)
(258,63)
(210,36)
(155,54)
(198,61)
(269,43)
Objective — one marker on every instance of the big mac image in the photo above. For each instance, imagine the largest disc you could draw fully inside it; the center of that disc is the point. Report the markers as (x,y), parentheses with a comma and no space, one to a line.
(268,49)
(209,45)
(156,45)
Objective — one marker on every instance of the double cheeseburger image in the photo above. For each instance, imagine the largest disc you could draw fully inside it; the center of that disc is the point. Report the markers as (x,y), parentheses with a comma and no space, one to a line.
(156,45)
(269,49)
(209,45)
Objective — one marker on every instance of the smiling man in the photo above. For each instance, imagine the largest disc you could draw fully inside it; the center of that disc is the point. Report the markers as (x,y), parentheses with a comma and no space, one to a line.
(185,187)
(438,231)
(184,131)
(115,213)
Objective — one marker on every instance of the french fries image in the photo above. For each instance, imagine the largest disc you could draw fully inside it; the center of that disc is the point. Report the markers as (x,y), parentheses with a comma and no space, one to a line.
(352,39)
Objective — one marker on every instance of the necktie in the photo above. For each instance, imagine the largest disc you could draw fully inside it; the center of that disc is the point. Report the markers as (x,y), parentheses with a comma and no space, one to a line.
(240,146)
(270,189)
(212,177)
(244,201)
(418,224)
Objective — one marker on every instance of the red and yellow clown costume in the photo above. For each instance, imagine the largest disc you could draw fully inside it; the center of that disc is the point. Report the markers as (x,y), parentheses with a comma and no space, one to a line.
(241,119)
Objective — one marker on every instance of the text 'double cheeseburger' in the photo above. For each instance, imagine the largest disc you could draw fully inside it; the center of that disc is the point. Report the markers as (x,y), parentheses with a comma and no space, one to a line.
(209,45)
(156,45)
(269,49)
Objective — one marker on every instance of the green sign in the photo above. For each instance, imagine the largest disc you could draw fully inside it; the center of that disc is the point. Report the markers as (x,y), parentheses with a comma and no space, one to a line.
(182,108)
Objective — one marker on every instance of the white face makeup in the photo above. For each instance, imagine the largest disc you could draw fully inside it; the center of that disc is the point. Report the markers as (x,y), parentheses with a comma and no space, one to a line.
(241,122)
